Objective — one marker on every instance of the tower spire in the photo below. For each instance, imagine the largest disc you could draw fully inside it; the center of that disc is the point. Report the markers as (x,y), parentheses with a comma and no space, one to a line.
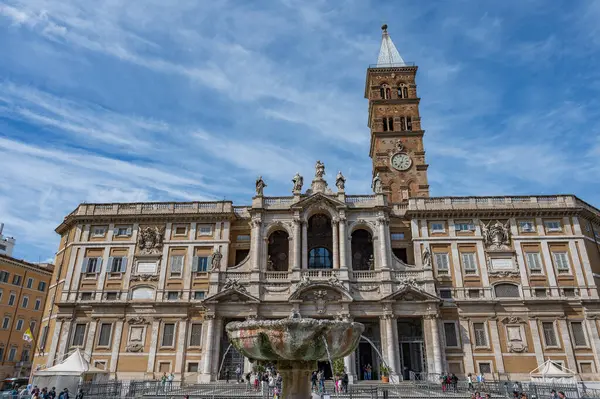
(388,54)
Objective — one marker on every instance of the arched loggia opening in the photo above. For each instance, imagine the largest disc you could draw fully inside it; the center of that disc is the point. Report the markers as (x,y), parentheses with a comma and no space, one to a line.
(362,250)
(278,251)
(320,242)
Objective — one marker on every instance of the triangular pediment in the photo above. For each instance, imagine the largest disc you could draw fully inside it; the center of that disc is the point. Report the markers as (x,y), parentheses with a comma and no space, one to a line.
(232,295)
(319,198)
(410,293)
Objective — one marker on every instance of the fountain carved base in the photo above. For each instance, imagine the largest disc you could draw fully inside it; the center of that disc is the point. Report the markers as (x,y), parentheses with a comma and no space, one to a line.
(296,378)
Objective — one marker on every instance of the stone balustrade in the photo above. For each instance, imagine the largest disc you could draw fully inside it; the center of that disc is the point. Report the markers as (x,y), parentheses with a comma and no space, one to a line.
(155,208)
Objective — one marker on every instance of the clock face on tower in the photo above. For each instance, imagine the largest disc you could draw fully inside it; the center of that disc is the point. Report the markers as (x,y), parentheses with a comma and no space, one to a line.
(401,161)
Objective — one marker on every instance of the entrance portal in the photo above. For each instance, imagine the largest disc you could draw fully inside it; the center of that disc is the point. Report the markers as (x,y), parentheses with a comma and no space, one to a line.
(233,358)
(411,348)
(326,368)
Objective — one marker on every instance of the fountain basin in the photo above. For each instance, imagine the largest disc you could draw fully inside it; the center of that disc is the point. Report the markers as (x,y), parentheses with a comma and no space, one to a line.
(294,338)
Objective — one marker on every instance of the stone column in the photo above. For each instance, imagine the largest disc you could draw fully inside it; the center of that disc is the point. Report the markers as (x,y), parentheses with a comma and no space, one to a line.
(381,221)
(153,344)
(116,345)
(342,238)
(435,343)
(493,325)
(297,244)
(334,229)
(392,345)
(305,245)
(181,346)
(207,347)
(566,340)
(255,243)
(537,342)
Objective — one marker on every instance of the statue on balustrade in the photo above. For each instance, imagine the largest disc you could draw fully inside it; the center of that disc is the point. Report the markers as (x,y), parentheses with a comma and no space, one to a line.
(215,263)
(319,170)
(298,182)
(340,181)
(260,186)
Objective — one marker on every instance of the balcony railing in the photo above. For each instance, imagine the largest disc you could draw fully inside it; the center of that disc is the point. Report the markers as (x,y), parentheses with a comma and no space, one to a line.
(320,274)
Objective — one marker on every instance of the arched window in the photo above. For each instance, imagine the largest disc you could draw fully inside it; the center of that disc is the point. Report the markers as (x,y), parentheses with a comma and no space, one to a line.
(362,250)
(278,259)
(388,124)
(142,293)
(402,123)
(385,92)
(402,91)
(320,258)
(405,92)
(507,290)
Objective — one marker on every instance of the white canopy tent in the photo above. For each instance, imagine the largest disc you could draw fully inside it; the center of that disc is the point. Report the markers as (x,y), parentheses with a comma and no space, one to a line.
(550,372)
(72,371)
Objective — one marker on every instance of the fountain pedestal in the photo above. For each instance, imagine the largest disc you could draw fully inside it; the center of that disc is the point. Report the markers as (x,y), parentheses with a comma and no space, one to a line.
(296,375)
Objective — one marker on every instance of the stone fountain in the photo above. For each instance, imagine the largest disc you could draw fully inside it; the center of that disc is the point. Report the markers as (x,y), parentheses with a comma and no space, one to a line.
(295,344)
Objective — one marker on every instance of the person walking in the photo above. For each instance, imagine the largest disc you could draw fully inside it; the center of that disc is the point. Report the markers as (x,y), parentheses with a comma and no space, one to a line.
(454,382)
(79,394)
(170,379)
(227,376)
(313,381)
(345,381)
(321,376)
(64,394)
(238,373)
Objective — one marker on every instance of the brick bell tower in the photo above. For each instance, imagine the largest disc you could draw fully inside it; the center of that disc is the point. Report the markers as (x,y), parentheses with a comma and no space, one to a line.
(396,135)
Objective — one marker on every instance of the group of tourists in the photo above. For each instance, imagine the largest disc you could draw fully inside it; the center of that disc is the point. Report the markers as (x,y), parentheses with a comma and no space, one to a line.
(449,382)
(269,380)
(36,393)
(340,382)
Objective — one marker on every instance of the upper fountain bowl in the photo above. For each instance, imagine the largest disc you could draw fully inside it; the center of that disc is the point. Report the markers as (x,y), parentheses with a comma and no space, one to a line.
(294,338)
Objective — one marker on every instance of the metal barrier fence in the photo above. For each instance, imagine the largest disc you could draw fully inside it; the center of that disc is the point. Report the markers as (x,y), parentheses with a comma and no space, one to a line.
(414,389)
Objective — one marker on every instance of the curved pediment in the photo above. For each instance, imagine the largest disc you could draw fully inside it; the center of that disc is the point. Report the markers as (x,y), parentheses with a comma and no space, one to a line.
(332,289)
(412,293)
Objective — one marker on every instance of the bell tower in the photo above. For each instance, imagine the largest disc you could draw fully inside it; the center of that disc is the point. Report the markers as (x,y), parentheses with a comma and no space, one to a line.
(396,135)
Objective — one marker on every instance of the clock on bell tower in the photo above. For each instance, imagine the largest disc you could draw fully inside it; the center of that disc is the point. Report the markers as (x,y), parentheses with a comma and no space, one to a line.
(396,135)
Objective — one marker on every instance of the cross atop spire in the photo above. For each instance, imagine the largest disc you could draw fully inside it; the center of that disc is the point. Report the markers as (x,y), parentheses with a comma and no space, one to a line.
(388,54)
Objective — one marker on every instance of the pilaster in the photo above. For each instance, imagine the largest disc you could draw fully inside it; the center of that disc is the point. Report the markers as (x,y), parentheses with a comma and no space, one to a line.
(181,346)
(549,264)
(305,245)
(54,342)
(537,341)
(91,334)
(334,229)
(566,340)
(343,238)
(153,344)
(493,326)
(467,346)
(116,345)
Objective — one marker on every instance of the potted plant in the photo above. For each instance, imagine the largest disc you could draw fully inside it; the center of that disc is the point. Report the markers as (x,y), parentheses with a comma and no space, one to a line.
(385,373)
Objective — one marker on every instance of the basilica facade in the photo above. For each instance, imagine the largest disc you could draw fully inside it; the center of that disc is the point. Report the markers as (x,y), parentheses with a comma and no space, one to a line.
(496,285)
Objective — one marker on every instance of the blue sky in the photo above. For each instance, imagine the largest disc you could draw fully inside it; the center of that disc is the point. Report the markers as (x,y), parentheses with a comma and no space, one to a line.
(191,100)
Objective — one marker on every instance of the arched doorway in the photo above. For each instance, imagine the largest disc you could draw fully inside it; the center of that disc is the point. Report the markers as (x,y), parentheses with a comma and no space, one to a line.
(278,251)
(320,242)
(362,250)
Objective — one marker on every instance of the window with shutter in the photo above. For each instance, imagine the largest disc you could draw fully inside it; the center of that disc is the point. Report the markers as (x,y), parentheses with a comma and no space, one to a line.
(176,264)
(578,333)
(450,334)
(200,264)
(118,264)
(469,264)
(534,262)
(561,261)
(480,334)
(441,263)
(549,334)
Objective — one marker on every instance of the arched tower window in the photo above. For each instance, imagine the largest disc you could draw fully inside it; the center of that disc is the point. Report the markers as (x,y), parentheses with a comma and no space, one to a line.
(278,250)
(402,91)
(388,124)
(385,91)
(362,250)
(320,242)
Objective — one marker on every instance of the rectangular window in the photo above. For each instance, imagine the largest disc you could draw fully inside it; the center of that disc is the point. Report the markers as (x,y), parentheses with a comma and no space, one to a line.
(172,295)
(92,265)
(25,355)
(534,262)
(12,354)
(118,264)
(450,334)
(200,264)
(17,280)
(122,231)
(105,332)
(32,326)
(474,294)
(78,335)
(480,334)
(569,292)
(442,263)
(11,299)
(5,323)
(437,227)
(29,282)
(25,302)
(485,368)
(98,231)
(164,367)
(540,293)
(1,353)
(243,237)
(397,236)
(192,367)
(111,296)
(527,226)
(1,292)
(469,264)
(199,295)
(196,334)
(41,286)
(168,336)
(553,225)
(86,296)
(176,264)
(445,294)
(549,334)
(180,230)
(19,324)
(205,230)
(464,226)
(578,333)
(586,368)
(561,260)
(4,276)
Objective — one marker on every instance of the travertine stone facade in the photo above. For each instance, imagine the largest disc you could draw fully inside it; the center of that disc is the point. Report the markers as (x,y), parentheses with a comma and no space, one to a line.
(458,284)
